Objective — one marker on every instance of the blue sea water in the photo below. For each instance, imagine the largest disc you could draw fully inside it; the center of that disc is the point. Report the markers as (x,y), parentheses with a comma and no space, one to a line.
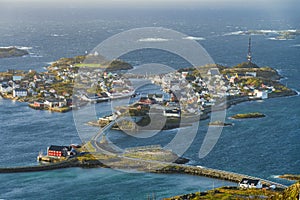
(260,147)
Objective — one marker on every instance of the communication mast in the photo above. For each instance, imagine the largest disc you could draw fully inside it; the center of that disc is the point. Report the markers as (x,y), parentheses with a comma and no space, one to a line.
(249,56)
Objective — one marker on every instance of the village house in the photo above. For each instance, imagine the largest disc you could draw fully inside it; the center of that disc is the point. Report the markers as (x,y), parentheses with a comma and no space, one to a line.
(184,74)
(172,112)
(17,78)
(58,151)
(261,94)
(146,100)
(39,104)
(4,88)
(157,97)
(52,103)
(250,183)
(19,92)
(253,74)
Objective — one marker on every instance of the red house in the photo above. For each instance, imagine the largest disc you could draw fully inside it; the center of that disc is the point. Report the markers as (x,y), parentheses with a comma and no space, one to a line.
(146,100)
(38,104)
(58,151)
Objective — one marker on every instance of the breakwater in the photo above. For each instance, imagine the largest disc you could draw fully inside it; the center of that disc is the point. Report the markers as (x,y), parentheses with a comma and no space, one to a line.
(60,165)
(164,168)
(52,166)
(214,173)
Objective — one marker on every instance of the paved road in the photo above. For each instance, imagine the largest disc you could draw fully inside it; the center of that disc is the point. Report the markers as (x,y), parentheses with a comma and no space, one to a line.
(215,173)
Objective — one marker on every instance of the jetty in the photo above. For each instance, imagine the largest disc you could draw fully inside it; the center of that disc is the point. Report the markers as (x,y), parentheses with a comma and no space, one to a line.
(215,173)
(147,166)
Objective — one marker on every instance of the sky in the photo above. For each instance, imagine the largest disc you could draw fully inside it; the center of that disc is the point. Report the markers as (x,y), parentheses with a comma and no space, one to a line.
(158,3)
(10,9)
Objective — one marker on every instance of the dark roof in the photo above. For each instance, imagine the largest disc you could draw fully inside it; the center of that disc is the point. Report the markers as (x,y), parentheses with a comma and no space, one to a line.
(143,98)
(104,94)
(249,181)
(59,148)
(5,86)
(176,111)
(20,90)
(54,100)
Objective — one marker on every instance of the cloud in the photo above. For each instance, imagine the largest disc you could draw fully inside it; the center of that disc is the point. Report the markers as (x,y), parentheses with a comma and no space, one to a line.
(265,4)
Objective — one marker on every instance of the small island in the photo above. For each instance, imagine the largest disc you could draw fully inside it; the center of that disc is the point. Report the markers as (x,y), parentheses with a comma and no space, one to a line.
(8,52)
(248,115)
(291,177)
(219,123)
(279,34)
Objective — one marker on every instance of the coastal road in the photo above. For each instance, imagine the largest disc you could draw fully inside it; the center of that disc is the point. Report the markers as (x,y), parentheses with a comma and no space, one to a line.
(157,165)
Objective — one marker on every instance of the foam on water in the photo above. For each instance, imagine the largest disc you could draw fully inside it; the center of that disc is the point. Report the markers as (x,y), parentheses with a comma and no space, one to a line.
(260,32)
(153,40)
(279,39)
(58,35)
(18,47)
(193,38)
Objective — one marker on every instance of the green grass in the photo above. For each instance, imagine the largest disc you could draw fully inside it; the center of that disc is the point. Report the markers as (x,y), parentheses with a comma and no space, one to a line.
(248,115)
(92,65)
(88,147)
(153,154)
(219,123)
(110,66)
(229,193)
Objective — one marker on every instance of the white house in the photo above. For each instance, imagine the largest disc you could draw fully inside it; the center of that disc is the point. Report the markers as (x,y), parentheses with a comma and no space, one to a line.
(18,92)
(52,103)
(156,97)
(261,94)
(251,74)
(5,88)
(184,74)
(17,78)
(172,113)
(250,183)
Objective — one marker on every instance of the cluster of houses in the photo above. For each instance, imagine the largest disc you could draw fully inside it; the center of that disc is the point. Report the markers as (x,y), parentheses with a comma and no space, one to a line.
(254,92)
(14,85)
(190,91)
(54,88)
(37,87)
(162,103)
(99,85)
(206,90)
